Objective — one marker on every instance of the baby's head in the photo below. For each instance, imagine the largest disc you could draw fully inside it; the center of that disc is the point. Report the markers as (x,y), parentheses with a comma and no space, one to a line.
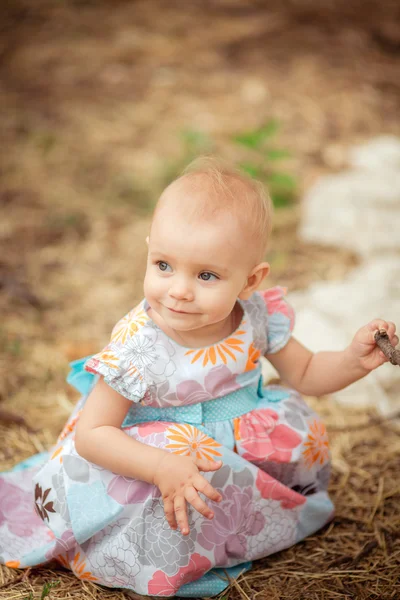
(208,237)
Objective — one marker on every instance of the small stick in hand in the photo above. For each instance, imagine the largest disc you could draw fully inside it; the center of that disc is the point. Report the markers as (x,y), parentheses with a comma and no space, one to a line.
(382,339)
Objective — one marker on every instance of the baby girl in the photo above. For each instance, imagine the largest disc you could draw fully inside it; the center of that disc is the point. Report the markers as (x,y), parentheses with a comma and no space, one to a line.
(178,465)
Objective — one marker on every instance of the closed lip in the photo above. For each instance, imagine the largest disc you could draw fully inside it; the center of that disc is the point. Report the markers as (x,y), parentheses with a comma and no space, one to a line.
(181,312)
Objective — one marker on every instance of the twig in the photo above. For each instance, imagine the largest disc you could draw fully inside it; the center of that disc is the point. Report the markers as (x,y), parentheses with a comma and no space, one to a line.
(365,551)
(382,339)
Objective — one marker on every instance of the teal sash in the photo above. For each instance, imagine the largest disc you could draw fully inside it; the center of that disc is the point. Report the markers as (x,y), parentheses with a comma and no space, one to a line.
(230,406)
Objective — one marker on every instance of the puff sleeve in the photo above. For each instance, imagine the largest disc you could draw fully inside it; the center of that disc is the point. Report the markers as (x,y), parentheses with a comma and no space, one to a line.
(117,361)
(280,320)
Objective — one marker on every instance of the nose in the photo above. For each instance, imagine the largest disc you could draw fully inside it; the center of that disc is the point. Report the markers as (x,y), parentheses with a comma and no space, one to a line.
(180,289)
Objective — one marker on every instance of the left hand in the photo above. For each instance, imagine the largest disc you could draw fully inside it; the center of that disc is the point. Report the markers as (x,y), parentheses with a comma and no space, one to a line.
(364,347)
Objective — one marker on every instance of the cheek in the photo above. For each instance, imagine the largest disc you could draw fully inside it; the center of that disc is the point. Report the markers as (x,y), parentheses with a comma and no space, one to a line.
(215,300)
(150,285)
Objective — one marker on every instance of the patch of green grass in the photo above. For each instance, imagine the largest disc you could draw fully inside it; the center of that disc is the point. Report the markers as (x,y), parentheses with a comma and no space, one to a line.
(45,591)
(260,158)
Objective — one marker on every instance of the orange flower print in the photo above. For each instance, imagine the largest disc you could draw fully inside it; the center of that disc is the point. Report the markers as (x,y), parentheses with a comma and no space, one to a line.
(63,559)
(187,440)
(253,356)
(219,352)
(69,427)
(78,566)
(317,445)
(129,325)
(109,358)
(133,372)
(56,453)
(236,429)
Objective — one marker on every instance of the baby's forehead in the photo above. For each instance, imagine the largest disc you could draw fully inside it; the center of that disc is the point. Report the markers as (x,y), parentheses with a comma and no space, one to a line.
(217,244)
(223,197)
(198,195)
(194,221)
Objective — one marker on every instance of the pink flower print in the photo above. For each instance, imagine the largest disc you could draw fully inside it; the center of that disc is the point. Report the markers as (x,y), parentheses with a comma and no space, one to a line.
(236,518)
(131,491)
(145,429)
(259,434)
(276,303)
(218,382)
(164,585)
(274,299)
(16,509)
(271,489)
(62,545)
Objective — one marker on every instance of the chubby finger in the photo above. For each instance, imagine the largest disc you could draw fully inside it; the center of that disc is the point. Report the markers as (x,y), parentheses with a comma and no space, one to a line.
(181,514)
(202,485)
(194,499)
(170,513)
(391,330)
(375,325)
(208,465)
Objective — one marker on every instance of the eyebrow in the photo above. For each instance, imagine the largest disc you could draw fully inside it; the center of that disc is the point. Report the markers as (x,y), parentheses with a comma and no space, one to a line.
(198,266)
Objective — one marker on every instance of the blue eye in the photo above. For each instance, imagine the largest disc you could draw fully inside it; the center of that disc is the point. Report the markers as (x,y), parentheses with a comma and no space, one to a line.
(163,266)
(206,276)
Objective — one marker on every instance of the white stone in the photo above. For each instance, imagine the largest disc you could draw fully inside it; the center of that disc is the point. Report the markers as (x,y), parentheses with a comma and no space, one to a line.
(328,314)
(380,153)
(357,210)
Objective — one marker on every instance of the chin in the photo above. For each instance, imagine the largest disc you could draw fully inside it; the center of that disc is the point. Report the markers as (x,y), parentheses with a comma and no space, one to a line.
(182,324)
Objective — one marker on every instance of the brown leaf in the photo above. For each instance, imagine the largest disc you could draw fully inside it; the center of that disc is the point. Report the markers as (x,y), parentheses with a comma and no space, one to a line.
(38,491)
(49,507)
(45,495)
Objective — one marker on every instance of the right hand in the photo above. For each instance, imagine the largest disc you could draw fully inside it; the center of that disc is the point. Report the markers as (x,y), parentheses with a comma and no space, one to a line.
(179,481)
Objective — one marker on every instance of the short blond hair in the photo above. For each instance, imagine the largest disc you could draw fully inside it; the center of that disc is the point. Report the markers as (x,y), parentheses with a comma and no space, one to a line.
(225,188)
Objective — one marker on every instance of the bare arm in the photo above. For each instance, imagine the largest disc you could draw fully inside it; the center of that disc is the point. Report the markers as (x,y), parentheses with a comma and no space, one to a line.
(327,372)
(315,374)
(99,438)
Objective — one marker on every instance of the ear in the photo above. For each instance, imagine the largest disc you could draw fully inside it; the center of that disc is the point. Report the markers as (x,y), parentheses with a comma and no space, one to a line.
(147,240)
(254,280)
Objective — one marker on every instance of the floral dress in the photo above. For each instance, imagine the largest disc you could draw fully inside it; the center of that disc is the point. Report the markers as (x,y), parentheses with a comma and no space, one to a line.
(204,402)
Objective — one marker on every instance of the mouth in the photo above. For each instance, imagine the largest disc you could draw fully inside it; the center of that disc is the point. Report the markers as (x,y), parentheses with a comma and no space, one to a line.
(180,312)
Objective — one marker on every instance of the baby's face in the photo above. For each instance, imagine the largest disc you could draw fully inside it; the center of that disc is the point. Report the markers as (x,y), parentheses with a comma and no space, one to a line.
(195,270)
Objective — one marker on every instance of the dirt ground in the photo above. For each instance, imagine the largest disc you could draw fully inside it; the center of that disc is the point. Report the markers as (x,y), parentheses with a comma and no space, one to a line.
(94,99)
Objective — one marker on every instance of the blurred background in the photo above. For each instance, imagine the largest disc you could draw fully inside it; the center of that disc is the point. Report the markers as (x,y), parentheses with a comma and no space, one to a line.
(103,103)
